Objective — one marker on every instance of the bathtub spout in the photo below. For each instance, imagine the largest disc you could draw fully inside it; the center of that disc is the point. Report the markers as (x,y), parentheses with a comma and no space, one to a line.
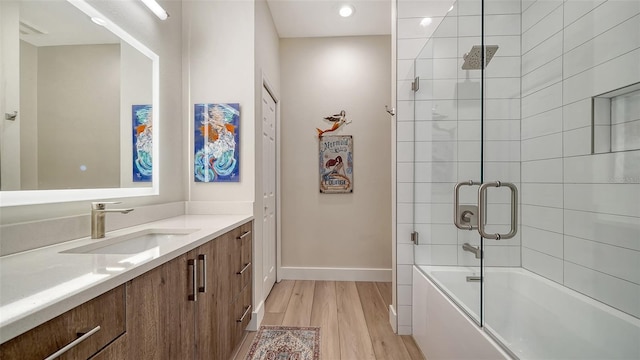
(472,249)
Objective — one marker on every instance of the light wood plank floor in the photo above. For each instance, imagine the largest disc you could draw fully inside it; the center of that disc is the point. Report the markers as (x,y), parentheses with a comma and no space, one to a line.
(353,318)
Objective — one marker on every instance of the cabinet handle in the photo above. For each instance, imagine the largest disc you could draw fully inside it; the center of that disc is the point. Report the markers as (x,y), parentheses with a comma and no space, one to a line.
(194,279)
(244,314)
(244,269)
(73,343)
(244,234)
(203,258)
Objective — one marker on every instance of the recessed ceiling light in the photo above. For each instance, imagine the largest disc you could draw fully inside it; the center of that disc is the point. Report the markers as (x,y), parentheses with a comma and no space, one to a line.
(347,10)
(99,21)
(426,22)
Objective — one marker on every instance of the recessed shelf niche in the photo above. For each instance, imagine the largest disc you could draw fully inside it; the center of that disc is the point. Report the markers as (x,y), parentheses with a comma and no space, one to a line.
(616,120)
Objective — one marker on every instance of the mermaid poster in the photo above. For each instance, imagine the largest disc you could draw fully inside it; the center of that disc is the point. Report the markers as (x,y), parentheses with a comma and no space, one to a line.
(216,143)
(142,143)
(336,164)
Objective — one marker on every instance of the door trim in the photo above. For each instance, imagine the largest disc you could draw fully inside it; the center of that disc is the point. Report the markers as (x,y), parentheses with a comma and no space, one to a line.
(266,84)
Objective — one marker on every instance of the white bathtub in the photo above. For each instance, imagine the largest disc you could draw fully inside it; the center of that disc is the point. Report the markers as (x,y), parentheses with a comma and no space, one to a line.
(533,317)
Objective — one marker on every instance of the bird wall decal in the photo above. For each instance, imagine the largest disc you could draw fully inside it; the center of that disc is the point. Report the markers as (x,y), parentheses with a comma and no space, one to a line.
(337,119)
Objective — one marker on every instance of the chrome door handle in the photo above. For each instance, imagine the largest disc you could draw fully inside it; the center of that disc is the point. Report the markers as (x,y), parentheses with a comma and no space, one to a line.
(482,217)
(244,314)
(191,263)
(72,344)
(457,215)
(243,269)
(244,234)
(203,258)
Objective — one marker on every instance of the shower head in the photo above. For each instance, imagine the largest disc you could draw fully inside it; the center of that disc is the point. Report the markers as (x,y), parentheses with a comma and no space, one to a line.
(473,59)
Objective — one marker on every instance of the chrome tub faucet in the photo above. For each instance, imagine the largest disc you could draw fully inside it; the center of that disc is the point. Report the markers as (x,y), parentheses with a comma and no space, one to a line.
(98,212)
(472,249)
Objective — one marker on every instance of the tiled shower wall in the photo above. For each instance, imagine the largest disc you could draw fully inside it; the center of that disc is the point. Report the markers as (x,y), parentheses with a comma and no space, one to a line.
(580,212)
(409,45)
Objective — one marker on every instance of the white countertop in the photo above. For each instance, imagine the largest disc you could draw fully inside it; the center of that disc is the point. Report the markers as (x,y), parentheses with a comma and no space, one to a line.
(40,284)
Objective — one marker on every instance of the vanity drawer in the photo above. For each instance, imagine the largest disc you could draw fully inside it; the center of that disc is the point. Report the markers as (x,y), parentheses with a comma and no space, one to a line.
(242,310)
(241,259)
(106,311)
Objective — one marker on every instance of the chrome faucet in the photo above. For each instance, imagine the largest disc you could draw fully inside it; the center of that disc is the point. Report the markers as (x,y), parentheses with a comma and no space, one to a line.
(472,249)
(98,212)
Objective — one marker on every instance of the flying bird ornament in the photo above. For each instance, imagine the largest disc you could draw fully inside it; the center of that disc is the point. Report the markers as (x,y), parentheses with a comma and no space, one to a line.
(337,119)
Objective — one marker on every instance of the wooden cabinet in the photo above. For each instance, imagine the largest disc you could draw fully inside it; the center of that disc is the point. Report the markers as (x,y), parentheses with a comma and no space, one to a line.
(160,316)
(189,307)
(106,311)
(195,306)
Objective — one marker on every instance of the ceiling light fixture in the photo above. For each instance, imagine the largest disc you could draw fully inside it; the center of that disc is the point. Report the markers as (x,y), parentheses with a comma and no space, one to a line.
(426,22)
(161,13)
(347,10)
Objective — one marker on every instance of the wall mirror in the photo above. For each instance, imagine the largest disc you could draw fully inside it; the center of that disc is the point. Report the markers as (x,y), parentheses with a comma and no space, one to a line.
(87,100)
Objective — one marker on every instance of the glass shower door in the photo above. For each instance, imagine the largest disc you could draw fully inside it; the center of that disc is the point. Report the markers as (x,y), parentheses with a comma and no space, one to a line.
(447,150)
(561,118)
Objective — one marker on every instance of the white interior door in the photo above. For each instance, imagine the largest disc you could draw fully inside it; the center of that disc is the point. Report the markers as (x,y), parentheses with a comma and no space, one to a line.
(269,190)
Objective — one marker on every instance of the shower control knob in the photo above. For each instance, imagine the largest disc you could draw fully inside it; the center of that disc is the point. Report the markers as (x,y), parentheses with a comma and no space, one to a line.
(466,216)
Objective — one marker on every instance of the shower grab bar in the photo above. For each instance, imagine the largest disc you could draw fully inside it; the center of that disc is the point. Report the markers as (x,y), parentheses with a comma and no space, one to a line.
(457,217)
(482,198)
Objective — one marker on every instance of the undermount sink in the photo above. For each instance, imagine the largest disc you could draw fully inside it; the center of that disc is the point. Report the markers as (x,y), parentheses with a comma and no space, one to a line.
(132,243)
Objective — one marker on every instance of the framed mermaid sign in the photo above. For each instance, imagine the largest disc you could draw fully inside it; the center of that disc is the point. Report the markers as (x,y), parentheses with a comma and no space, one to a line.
(336,164)
(216,142)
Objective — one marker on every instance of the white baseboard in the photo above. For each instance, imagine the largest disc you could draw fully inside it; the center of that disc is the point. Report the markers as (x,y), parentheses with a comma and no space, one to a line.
(256,317)
(393,318)
(335,274)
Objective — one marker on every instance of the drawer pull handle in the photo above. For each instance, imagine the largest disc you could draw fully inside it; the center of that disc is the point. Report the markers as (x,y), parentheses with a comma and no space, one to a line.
(72,344)
(244,235)
(203,258)
(243,269)
(194,279)
(244,314)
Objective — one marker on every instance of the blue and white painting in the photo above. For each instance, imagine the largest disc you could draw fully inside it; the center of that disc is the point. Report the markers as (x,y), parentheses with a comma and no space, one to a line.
(142,143)
(217,142)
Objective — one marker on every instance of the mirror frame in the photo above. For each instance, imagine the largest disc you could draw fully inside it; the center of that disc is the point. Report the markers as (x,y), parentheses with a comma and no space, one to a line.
(33,197)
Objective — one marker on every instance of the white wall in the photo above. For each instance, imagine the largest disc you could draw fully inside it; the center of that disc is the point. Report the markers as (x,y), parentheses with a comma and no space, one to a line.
(9,100)
(218,41)
(28,116)
(79,111)
(580,212)
(163,37)
(320,77)
(135,79)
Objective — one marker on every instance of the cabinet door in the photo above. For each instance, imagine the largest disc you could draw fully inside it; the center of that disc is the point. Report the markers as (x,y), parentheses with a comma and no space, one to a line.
(211,325)
(160,315)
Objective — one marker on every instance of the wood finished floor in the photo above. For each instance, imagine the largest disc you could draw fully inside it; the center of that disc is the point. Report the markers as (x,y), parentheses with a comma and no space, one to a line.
(353,318)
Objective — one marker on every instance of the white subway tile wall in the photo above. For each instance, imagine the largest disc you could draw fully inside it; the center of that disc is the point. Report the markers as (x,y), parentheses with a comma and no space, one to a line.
(580,212)
(411,38)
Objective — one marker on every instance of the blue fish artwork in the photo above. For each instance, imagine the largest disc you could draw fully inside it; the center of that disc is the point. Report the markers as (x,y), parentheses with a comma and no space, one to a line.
(142,143)
(216,142)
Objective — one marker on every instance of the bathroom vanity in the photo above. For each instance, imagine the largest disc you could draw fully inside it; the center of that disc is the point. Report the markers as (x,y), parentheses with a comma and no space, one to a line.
(181,296)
